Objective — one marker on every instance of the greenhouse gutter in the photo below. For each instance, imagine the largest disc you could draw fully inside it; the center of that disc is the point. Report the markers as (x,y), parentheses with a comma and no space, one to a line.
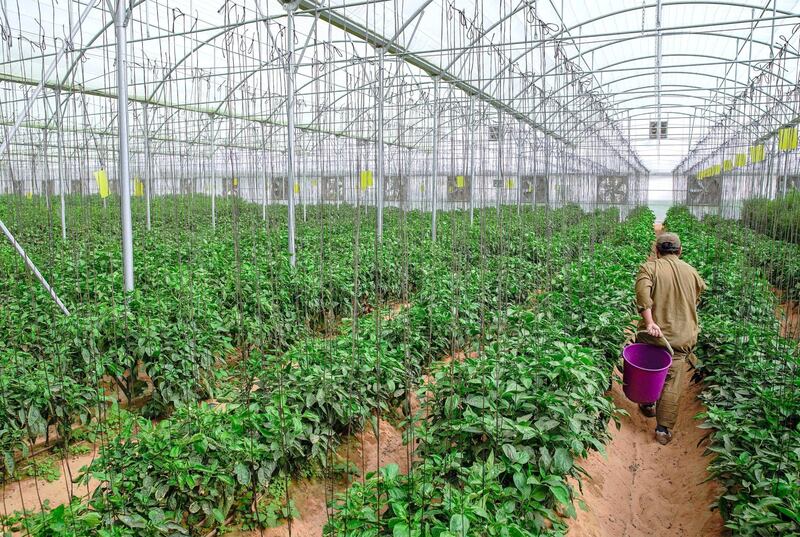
(378,41)
(5,77)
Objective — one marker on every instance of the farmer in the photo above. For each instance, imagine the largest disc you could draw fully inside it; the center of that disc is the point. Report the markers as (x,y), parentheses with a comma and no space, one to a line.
(667,292)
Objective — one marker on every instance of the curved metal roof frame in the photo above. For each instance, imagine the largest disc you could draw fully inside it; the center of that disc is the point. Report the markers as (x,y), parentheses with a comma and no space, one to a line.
(687,86)
(210,40)
(625,39)
(378,42)
(568,30)
(681,95)
(523,114)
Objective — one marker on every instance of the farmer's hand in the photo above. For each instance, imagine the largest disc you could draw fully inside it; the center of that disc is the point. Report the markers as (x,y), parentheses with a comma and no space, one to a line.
(654,330)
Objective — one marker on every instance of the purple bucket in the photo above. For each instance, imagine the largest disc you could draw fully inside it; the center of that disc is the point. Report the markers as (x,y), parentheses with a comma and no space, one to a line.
(644,372)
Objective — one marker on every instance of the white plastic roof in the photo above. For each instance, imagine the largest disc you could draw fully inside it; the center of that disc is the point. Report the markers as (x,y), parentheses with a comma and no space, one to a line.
(227,57)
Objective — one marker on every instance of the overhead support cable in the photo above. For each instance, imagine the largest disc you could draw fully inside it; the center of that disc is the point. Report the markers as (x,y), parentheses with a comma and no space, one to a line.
(374,39)
(659,40)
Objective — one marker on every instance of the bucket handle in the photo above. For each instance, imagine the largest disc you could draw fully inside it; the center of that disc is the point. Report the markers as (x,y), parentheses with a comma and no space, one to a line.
(669,347)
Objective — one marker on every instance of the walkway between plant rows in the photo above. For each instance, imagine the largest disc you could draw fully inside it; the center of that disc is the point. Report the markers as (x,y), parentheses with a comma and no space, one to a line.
(643,489)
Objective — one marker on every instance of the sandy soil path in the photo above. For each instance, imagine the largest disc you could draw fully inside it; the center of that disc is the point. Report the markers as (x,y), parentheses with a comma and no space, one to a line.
(31,493)
(644,489)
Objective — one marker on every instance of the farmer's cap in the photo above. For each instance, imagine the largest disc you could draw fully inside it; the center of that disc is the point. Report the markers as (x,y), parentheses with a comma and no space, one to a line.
(667,242)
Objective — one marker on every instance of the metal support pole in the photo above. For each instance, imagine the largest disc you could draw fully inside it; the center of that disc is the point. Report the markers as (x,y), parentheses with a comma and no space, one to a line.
(379,156)
(519,170)
(48,180)
(213,176)
(290,106)
(472,124)
(147,167)
(120,23)
(772,31)
(500,179)
(435,155)
(264,176)
(61,172)
(18,247)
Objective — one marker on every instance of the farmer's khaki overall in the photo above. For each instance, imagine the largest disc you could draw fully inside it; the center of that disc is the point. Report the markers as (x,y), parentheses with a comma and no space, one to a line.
(671,288)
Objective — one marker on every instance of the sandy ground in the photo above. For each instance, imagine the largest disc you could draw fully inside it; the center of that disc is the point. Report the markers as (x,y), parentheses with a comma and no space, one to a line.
(789,314)
(30,493)
(644,489)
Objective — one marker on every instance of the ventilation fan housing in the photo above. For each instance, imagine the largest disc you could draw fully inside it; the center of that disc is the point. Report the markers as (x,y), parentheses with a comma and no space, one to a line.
(704,191)
(612,189)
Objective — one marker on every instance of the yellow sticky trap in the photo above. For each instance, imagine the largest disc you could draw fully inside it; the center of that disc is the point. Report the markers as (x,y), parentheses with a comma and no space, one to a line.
(366,179)
(235,181)
(727,165)
(787,139)
(29,195)
(460,181)
(422,188)
(138,187)
(296,187)
(509,184)
(101,177)
(740,160)
(757,153)
(313,184)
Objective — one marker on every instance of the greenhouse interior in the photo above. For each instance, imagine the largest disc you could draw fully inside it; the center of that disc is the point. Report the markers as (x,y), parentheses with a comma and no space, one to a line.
(402,268)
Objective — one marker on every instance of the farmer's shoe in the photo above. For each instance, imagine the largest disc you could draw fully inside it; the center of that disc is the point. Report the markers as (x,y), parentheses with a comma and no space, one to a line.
(648,410)
(663,435)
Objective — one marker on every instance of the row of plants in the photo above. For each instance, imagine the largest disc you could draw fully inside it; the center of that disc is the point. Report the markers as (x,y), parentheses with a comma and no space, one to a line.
(306,399)
(203,295)
(778,218)
(751,384)
(498,433)
(778,260)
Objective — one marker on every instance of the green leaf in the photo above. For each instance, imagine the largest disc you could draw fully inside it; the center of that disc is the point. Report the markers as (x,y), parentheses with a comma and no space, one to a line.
(510,452)
(242,473)
(161,492)
(8,457)
(561,494)
(390,472)
(459,524)
(562,461)
(218,515)
(539,493)
(478,401)
(400,530)
(156,516)
(133,521)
